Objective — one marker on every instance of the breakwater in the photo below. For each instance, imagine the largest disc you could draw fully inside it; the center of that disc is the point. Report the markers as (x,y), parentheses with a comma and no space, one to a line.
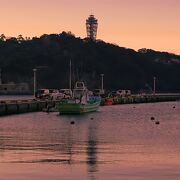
(24,106)
(8,107)
(140,99)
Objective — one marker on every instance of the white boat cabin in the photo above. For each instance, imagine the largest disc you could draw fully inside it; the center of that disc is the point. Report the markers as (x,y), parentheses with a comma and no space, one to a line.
(80,92)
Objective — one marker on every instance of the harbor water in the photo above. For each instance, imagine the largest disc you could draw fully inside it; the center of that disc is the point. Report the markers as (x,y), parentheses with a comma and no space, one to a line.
(117,142)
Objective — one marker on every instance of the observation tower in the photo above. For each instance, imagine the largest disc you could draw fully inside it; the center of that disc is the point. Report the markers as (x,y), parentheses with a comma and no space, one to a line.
(91,27)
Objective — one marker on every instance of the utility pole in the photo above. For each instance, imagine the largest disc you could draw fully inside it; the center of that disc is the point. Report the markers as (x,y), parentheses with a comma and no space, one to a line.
(102,82)
(34,70)
(0,76)
(70,75)
(154,86)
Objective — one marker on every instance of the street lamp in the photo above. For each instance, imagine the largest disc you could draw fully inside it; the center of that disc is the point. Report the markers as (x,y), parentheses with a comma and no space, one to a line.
(154,86)
(35,78)
(102,82)
(70,79)
(34,70)
(0,76)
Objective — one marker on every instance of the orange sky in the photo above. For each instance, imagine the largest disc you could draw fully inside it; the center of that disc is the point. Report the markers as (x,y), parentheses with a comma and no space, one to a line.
(129,23)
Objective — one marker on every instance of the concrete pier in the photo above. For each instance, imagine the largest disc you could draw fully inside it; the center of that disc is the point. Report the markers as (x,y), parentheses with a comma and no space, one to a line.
(24,106)
(8,107)
(140,99)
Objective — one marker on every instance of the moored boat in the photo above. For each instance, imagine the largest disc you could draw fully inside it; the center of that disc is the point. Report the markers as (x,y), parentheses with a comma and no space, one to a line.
(81,101)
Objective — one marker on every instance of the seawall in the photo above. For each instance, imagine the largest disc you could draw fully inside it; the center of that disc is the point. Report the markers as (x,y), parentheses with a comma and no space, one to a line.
(24,106)
(134,99)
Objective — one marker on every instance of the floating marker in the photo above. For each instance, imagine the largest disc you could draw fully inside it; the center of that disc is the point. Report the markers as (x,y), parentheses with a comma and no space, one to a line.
(152,118)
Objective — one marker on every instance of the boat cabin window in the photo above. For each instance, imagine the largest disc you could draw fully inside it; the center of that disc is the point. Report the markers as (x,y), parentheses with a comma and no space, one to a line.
(78,93)
(80,85)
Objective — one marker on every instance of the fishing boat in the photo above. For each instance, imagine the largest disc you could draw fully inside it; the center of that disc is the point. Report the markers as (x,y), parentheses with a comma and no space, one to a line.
(81,101)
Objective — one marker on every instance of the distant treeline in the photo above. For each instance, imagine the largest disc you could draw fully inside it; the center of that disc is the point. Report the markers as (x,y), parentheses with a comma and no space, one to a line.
(122,68)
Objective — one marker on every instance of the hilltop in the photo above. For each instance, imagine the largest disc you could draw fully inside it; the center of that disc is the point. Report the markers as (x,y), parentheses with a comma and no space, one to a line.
(123,68)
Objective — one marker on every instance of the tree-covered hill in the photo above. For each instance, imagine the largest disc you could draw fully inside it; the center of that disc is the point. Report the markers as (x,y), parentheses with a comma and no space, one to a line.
(122,68)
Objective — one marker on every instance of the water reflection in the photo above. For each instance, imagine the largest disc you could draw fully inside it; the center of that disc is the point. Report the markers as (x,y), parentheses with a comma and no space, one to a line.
(92,151)
(36,140)
(107,146)
(70,143)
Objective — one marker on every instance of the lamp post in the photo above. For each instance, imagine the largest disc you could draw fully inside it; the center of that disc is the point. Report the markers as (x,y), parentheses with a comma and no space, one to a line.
(102,82)
(154,86)
(35,78)
(70,75)
(0,76)
(34,70)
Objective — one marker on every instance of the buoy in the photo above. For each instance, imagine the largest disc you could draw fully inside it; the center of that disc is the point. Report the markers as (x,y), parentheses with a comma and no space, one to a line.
(152,118)
(72,122)
(157,122)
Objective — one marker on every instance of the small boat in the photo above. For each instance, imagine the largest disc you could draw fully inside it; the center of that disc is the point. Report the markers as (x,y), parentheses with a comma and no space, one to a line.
(81,101)
(108,101)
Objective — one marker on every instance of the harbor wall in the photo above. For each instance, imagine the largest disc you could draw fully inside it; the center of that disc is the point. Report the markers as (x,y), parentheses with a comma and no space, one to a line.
(9,107)
(139,99)
(24,106)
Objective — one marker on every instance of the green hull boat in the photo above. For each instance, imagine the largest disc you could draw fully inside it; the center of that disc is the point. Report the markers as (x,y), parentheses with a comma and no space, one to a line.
(77,108)
(81,101)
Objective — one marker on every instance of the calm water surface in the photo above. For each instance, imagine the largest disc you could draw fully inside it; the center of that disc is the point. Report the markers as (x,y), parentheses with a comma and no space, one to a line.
(117,142)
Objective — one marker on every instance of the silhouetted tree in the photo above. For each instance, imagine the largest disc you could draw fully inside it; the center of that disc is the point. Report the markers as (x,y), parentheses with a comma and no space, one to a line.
(123,68)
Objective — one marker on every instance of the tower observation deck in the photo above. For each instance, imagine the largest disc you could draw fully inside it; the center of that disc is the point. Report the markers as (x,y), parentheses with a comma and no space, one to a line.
(91,27)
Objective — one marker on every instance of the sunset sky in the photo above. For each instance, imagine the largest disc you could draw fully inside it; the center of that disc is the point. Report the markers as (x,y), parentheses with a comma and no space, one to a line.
(129,23)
